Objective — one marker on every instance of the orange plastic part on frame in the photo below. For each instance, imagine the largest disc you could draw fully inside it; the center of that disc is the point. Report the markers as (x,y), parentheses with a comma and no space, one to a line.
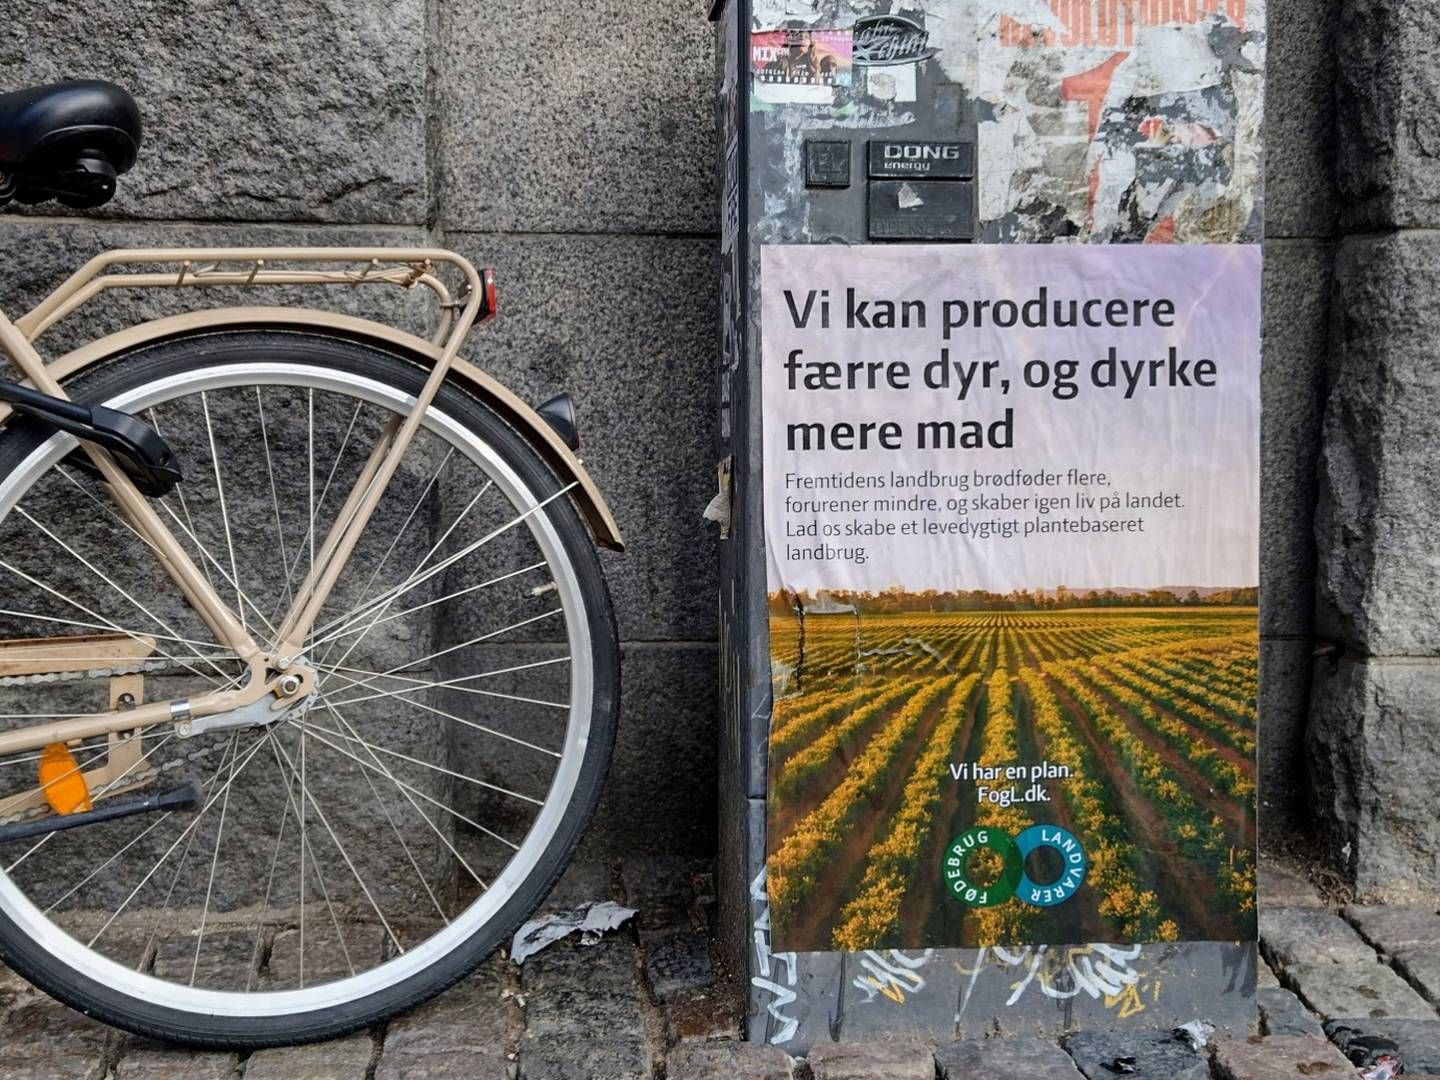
(65,788)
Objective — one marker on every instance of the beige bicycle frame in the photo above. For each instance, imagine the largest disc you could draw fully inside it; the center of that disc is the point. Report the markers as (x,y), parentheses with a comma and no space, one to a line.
(246,267)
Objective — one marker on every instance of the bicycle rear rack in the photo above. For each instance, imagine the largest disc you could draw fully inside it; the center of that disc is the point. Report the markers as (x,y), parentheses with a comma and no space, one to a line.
(204,268)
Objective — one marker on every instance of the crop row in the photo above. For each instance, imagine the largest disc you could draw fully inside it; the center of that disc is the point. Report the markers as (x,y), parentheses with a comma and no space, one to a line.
(1201,692)
(803,854)
(1133,911)
(791,728)
(1207,719)
(874,914)
(1202,836)
(1225,773)
(840,739)
(1003,923)
(1186,819)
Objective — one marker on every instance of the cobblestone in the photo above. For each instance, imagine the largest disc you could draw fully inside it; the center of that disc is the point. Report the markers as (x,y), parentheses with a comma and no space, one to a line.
(903,1059)
(1005,1059)
(363,946)
(1282,1013)
(571,1011)
(1392,928)
(710,1012)
(1419,965)
(468,1023)
(1280,1057)
(341,1059)
(678,961)
(1359,989)
(58,1067)
(226,961)
(611,1010)
(151,1061)
(1102,1055)
(1281,886)
(45,1039)
(1291,935)
(727,1059)
(584,1013)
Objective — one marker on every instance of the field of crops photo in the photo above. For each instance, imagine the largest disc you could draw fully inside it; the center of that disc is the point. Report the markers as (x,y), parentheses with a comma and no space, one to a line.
(1141,716)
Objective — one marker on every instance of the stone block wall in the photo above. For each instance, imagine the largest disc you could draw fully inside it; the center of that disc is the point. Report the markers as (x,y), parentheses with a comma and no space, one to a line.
(1374,731)
(1300,231)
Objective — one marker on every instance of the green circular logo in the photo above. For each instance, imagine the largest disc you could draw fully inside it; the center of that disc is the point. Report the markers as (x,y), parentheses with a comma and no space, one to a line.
(957,879)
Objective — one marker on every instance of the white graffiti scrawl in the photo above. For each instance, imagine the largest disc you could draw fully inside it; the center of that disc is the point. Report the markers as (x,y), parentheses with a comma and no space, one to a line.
(1099,971)
(775,973)
(892,973)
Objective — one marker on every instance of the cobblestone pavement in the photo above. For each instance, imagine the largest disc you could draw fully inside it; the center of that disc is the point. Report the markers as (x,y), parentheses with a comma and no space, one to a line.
(646,1003)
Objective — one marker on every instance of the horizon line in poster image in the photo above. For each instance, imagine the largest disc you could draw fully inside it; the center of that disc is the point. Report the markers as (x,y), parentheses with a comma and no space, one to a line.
(1128,730)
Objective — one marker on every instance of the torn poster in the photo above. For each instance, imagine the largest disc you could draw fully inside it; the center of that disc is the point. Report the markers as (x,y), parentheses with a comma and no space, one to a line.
(1120,122)
(800,67)
(891,82)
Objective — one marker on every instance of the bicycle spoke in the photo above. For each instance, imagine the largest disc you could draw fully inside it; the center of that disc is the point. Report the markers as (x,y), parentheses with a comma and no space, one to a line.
(214,861)
(439,712)
(465,645)
(426,558)
(390,820)
(258,921)
(307,543)
(306,794)
(38,617)
(440,835)
(180,493)
(206,556)
(411,788)
(179,868)
(106,624)
(454,684)
(199,816)
(455,524)
(355,629)
(44,839)
(373,747)
(274,495)
(110,582)
(306,851)
(405,525)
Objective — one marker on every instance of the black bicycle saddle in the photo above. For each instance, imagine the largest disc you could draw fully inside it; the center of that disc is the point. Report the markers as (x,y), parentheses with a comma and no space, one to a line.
(66,141)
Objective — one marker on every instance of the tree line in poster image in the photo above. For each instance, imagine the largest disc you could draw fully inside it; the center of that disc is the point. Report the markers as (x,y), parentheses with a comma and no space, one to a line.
(1150,710)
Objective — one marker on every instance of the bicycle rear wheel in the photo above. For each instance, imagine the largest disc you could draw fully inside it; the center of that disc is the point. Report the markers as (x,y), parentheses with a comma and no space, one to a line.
(357,856)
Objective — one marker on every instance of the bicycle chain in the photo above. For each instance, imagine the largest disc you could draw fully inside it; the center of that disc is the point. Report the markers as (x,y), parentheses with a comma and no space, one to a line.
(143,668)
(144,776)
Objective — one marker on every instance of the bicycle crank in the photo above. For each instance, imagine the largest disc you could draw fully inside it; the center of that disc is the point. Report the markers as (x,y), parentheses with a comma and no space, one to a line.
(184,797)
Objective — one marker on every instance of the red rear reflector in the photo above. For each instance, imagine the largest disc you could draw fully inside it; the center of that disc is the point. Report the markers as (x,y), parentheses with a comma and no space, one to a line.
(487,277)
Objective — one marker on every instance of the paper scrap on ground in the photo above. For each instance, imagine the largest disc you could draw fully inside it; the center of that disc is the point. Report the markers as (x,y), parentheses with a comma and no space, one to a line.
(1197,1033)
(592,920)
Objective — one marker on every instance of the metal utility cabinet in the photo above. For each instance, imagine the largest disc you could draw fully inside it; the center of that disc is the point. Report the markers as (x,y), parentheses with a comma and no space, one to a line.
(957,122)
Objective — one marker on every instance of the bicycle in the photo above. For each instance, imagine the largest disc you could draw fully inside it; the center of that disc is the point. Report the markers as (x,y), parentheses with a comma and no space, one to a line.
(309,674)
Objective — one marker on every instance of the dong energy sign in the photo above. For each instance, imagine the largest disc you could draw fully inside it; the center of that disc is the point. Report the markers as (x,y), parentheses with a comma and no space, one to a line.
(1011,513)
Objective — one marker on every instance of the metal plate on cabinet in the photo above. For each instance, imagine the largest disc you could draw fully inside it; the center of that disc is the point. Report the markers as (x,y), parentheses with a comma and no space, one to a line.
(922,210)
